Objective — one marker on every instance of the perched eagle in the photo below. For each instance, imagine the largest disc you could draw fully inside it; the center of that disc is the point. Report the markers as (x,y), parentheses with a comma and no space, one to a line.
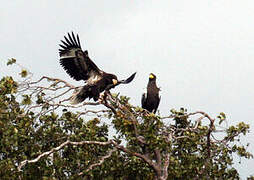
(79,66)
(150,100)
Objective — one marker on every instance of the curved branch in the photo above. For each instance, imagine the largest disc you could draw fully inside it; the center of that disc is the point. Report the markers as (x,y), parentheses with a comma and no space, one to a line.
(100,162)
(53,79)
(23,163)
(141,156)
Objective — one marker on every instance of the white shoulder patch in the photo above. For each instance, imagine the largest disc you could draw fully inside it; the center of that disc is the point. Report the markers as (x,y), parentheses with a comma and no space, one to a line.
(94,77)
(67,57)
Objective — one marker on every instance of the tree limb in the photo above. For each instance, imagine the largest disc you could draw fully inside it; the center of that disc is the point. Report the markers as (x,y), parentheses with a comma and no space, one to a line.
(141,156)
(23,163)
(100,161)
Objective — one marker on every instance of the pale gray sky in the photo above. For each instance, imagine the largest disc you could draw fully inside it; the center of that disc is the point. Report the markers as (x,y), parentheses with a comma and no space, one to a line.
(202,51)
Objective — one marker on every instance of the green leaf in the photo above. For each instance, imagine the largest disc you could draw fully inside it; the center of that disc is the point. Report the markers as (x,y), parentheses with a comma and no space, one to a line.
(11,61)
(26,100)
(23,73)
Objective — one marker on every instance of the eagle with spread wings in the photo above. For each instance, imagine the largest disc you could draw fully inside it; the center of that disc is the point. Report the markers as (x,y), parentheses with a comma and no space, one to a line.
(79,66)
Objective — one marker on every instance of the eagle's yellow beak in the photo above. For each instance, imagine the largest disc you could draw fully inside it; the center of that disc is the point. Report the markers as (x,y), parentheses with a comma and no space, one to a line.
(114,81)
(151,76)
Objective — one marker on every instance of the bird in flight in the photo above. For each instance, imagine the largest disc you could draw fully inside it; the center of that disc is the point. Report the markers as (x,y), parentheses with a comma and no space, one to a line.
(79,66)
(150,100)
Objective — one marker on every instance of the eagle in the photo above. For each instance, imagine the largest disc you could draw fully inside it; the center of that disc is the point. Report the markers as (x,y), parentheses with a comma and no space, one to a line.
(150,100)
(79,66)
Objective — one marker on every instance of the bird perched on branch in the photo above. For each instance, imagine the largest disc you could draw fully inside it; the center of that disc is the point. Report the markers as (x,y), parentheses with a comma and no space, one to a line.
(79,66)
(150,100)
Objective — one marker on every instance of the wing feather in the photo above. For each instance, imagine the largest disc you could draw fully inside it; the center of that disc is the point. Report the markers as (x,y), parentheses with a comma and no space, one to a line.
(74,39)
(78,40)
(62,46)
(70,38)
(76,62)
(65,44)
(143,100)
(67,40)
(128,80)
(157,105)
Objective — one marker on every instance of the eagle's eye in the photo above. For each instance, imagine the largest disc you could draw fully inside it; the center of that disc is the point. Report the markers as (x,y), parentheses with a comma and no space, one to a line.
(114,81)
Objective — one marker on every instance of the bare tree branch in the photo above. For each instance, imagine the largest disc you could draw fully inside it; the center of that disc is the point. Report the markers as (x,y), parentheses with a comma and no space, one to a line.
(165,167)
(23,163)
(141,156)
(53,79)
(158,156)
(103,158)
(91,111)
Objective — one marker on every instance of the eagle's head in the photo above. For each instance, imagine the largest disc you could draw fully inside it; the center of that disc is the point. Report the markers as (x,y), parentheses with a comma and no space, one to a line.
(152,76)
(111,80)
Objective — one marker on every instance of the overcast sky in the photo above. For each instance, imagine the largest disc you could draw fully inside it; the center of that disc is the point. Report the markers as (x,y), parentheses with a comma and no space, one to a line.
(202,51)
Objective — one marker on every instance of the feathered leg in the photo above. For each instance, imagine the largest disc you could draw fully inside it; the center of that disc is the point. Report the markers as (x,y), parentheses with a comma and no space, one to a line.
(86,91)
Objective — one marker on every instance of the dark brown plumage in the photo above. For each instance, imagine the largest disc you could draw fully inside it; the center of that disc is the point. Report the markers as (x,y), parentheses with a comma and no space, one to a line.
(150,100)
(79,66)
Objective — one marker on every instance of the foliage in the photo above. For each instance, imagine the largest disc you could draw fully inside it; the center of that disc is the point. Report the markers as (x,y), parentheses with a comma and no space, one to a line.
(42,136)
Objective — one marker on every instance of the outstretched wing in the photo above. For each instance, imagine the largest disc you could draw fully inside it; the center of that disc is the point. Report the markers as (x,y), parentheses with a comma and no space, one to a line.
(76,62)
(128,80)
(143,100)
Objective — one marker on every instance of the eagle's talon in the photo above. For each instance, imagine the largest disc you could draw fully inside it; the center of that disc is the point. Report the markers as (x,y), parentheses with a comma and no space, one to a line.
(101,98)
